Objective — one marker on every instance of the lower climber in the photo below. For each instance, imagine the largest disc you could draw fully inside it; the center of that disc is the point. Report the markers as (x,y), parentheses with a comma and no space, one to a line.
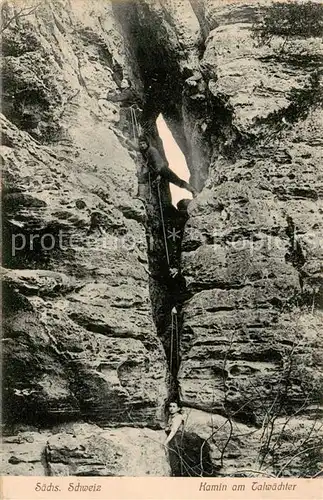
(129,102)
(158,168)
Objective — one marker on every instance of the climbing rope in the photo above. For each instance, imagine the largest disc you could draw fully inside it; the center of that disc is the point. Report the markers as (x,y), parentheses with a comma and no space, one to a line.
(149,186)
(171,345)
(134,107)
(174,330)
(136,133)
(174,327)
(134,122)
(163,224)
(177,339)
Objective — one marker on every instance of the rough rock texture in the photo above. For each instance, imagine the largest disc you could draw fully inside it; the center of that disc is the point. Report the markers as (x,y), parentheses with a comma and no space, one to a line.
(80,340)
(251,347)
(85,450)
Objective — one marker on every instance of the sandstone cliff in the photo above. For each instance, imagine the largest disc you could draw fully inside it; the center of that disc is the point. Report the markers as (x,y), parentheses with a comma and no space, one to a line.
(86,333)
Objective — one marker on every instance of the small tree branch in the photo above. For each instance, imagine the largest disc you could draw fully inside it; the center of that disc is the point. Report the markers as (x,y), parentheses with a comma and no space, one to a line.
(25,11)
(295,456)
(317,474)
(254,471)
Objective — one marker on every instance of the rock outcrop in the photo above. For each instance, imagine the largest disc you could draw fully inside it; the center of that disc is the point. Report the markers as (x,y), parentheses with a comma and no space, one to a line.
(84,450)
(252,251)
(86,341)
(79,338)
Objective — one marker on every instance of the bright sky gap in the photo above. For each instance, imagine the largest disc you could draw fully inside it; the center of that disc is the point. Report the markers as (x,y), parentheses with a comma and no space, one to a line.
(176,159)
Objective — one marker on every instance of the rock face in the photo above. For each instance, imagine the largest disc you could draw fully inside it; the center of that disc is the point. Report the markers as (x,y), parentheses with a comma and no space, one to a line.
(80,337)
(250,344)
(85,450)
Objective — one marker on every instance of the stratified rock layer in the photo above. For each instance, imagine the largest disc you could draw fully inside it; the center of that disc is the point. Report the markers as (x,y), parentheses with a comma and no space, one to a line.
(85,450)
(252,255)
(79,338)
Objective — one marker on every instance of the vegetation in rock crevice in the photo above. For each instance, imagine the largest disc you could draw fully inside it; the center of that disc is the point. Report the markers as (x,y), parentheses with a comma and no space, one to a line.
(301,102)
(289,20)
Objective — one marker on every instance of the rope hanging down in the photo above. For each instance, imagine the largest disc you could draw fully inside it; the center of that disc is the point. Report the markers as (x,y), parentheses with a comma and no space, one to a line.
(134,122)
(149,185)
(163,224)
(177,340)
(174,330)
(136,133)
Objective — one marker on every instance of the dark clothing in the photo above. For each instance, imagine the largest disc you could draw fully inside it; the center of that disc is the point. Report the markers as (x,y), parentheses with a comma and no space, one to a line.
(125,96)
(158,166)
(170,176)
(154,161)
(189,456)
(129,108)
(176,457)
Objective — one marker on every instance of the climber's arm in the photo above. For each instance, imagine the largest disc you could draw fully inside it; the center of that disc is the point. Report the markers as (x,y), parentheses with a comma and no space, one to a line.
(174,428)
(132,145)
(119,96)
(124,141)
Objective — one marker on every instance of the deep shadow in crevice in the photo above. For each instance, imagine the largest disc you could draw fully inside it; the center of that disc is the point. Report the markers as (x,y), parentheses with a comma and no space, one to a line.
(164,231)
(160,71)
(189,456)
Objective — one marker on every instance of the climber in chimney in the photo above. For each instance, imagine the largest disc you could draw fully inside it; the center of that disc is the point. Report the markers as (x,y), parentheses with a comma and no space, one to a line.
(158,167)
(125,95)
(175,421)
(129,101)
(174,440)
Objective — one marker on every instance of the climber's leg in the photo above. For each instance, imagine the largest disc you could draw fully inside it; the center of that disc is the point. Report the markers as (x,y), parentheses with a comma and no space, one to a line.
(141,192)
(175,455)
(143,183)
(124,121)
(174,179)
